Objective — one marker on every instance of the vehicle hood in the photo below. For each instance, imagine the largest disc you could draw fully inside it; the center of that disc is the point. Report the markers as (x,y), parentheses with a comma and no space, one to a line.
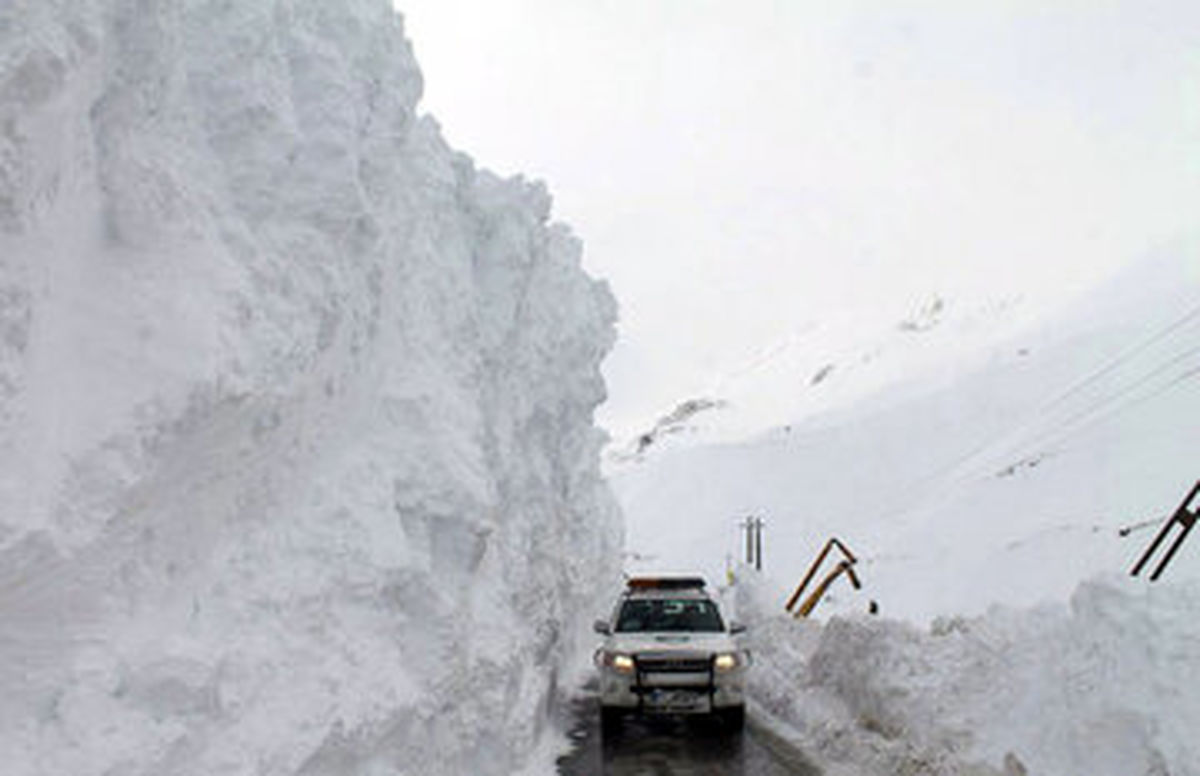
(672,642)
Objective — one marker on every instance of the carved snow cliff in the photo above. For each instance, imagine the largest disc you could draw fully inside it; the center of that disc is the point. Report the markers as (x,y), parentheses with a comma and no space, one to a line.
(297,465)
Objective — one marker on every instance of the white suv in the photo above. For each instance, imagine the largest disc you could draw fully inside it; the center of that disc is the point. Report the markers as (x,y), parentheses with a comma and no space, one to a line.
(668,651)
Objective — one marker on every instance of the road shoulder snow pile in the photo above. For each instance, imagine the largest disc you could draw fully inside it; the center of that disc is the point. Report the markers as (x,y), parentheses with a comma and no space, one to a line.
(298,473)
(1102,686)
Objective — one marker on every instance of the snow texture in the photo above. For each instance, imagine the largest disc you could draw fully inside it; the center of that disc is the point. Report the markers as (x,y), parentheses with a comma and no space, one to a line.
(298,473)
(1100,686)
(975,467)
(996,485)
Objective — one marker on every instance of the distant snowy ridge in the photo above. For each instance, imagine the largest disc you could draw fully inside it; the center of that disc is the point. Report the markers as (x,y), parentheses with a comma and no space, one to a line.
(298,473)
(677,421)
(835,362)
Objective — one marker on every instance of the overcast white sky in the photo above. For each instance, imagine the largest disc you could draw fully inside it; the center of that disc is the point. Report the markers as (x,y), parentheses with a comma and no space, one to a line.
(737,168)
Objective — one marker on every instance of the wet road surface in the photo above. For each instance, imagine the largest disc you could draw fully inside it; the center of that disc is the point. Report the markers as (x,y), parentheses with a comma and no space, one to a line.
(676,747)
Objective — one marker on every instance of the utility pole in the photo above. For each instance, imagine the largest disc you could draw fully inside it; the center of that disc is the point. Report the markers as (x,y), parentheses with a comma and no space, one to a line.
(758,526)
(753,527)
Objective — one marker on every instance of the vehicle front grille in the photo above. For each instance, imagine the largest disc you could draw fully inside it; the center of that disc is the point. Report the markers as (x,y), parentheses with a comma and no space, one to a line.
(673,665)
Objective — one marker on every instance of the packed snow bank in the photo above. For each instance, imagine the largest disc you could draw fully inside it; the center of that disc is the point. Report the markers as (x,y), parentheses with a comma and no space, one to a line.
(297,465)
(1103,686)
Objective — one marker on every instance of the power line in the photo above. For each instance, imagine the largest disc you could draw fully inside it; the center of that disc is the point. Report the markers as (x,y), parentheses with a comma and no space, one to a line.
(1124,356)
(1044,413)
(1111,412)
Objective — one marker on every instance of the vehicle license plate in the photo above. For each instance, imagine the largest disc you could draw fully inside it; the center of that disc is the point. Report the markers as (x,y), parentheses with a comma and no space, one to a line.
(678,701)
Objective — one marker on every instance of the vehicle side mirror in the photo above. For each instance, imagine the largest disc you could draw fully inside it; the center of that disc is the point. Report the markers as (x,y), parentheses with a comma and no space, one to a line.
(736,628)
(602,627)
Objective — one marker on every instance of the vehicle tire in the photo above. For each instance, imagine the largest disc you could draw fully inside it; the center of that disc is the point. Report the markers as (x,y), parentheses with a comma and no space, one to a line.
(733,718)
(610,721)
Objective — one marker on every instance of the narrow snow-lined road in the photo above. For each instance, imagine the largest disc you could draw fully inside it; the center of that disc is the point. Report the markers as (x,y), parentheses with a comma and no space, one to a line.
(675,747)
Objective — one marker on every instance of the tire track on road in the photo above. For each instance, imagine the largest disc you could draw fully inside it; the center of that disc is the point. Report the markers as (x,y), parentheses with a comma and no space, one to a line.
(675,747)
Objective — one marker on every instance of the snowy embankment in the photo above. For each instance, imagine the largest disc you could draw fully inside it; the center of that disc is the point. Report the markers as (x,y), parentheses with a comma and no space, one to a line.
(297,465)
(1102,686)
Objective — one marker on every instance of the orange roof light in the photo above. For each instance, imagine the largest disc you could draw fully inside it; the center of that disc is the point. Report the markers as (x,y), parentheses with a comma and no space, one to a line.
(665,583)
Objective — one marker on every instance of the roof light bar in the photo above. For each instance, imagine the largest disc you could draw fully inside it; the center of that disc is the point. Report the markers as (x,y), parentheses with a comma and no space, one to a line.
(665,583)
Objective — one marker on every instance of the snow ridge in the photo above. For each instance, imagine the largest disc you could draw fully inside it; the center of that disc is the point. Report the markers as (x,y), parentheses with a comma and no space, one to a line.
(297,465)
(1099,686)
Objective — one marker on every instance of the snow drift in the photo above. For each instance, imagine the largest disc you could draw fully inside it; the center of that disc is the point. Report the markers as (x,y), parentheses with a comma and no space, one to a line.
(297,465)
(1100,686)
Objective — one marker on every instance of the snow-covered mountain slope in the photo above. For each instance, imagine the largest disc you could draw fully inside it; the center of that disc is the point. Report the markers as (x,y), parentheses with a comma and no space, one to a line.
(1001,476)
(996,502)
(297,465)
(836,362)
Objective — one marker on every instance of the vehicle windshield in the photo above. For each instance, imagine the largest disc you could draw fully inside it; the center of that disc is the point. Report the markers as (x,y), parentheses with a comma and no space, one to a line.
(669,614)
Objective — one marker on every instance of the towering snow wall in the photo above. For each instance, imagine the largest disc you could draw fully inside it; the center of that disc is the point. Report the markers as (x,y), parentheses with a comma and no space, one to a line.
(298,473)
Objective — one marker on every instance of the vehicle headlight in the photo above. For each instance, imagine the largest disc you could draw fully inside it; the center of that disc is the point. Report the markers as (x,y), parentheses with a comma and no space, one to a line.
(726,661)
(622,664)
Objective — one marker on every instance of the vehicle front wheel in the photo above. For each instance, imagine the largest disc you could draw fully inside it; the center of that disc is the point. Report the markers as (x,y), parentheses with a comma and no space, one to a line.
(610,721)
(733,718)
